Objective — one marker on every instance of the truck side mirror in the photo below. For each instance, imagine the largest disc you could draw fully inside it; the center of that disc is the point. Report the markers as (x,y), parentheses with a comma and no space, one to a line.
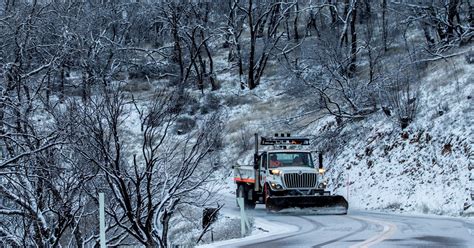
(320,160)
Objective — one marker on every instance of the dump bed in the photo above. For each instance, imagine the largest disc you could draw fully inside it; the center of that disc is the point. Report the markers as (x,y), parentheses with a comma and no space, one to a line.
(244,174)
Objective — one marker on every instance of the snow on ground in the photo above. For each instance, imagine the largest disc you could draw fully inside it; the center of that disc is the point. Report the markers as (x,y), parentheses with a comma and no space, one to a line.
(422,169)
(425,168)
(265,229)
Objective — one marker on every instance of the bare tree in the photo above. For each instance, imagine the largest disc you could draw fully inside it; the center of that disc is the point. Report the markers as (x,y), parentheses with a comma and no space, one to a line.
(41,196)
(259,51)
(147,186)
(444,23)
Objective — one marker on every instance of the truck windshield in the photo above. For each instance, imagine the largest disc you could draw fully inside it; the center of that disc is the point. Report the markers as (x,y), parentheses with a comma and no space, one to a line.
(279,159)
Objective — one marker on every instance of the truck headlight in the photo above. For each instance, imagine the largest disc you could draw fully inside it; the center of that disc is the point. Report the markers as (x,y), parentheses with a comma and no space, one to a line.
(321,171)
(322,185)
(275,172)
(276,186)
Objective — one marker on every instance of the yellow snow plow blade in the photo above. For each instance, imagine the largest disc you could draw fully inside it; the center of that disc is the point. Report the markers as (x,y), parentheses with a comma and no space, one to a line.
(322,204)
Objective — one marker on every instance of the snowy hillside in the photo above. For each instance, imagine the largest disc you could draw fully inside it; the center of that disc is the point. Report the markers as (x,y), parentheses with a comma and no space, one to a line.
(424,168)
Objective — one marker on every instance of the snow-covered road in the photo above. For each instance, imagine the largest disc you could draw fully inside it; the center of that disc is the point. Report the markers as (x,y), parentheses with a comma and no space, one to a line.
(357,229)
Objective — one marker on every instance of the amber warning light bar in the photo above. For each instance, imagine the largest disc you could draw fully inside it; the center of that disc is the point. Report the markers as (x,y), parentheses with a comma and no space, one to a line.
(284,141)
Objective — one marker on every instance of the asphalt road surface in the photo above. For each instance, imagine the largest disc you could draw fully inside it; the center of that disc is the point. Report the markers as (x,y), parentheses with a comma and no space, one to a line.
(356,229)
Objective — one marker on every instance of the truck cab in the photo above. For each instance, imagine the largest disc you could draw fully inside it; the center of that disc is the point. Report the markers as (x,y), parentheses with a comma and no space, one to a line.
(285,176)
(286,172)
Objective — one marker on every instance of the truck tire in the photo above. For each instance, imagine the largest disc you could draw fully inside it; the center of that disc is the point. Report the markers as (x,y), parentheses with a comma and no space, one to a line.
(267,193)
(243,192)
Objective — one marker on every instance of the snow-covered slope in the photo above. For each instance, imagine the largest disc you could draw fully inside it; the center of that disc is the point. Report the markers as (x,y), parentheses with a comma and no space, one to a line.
(424,168)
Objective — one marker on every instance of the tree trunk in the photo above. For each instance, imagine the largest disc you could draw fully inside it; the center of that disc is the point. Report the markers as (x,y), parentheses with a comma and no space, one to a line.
(61,84)
(452,12)
(153,244)
(429,39)
(344,38)
(471,14)
(437,24)
(273,21)
(384,25)
(352,66)
(366,12)
(48,87)
(287,25)
(177,53)
(197,62)
(241,66)
(251,80)
(78,237)
(85,85)
(212,80)
(370,49)
(261,27)
(7,3)
(295,22)
(333,11)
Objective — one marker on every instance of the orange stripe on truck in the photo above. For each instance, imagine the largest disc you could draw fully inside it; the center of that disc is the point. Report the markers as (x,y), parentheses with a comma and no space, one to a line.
(244,180)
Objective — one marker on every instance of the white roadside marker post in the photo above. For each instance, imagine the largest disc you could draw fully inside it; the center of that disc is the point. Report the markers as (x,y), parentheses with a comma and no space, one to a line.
(244,222)
(348,185)
(240,201)
(102,220)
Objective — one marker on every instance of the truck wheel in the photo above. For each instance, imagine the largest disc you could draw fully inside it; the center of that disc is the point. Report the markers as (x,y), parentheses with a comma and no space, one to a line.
(250,204)
(242,192)
(267,193)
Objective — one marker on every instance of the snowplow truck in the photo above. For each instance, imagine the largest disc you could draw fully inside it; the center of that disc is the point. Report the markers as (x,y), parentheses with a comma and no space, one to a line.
(285,177)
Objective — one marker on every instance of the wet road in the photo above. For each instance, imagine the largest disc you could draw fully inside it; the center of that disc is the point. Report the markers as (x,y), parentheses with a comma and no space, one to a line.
(356,229)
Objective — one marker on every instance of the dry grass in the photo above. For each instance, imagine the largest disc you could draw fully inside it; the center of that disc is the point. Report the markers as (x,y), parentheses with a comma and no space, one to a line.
(445,71)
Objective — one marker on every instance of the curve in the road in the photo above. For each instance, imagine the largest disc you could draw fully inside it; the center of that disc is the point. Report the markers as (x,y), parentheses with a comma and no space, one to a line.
(388,230)
(362,227)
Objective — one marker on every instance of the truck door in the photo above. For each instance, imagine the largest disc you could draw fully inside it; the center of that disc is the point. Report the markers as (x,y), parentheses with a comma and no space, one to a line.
(263,168)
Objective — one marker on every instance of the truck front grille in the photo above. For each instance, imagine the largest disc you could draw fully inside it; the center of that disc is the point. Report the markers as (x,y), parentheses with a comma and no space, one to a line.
(297,180)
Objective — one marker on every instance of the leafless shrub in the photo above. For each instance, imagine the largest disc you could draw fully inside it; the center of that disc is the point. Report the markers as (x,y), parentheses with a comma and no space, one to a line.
(393,206)
(211,103)
(140,72)
(245,141)
(470,57)
(425,209)
(236,100)
(402,95)
(184,124)
(229,228)
(137,86)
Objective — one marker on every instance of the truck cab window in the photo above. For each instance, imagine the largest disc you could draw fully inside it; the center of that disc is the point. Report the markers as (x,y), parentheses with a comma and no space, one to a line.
(264,161)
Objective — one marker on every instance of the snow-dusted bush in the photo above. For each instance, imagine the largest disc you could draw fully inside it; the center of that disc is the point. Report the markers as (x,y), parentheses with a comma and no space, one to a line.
(137,86)
(184,124)
(236,100)
(403,95)
(188,228)
(394,206)
(210,103)
(226,228)
(470,57)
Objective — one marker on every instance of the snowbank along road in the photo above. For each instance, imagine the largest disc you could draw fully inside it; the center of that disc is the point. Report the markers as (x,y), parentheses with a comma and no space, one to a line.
(357,229)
